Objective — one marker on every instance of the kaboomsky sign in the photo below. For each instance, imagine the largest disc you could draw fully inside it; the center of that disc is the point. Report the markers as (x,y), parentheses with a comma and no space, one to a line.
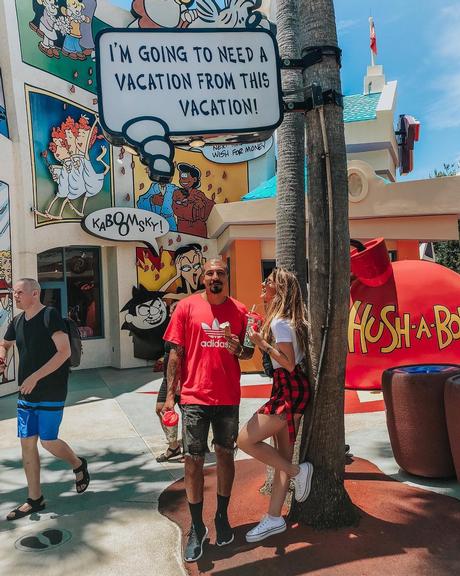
(126,225)
(159,87)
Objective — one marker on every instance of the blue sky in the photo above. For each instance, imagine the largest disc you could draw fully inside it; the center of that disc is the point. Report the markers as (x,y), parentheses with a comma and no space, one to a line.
(418,44)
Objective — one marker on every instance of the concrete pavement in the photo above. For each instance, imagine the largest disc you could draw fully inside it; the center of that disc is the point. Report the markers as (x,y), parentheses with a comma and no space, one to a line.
(115,527)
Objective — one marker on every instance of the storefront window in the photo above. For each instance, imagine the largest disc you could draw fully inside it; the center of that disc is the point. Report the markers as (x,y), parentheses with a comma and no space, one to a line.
(76,292)
(51,266)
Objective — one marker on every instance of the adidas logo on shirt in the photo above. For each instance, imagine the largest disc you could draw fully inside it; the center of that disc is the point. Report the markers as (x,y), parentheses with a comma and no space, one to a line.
(216,335)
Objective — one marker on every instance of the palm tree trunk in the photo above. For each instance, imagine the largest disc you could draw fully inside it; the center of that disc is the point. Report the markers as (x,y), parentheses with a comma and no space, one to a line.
(290,205)
(290,190)
(328,267)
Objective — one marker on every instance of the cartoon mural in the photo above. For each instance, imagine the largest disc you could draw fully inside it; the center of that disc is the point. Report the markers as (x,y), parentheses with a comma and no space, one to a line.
(146,319)
(175,274)
(71,160)
(57,36)
(196,186)
(6,297)
(185,207)
(3,120)
(162,280)
(204,14)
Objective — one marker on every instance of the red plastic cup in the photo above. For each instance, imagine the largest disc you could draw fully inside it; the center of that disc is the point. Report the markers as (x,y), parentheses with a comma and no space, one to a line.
(170,418)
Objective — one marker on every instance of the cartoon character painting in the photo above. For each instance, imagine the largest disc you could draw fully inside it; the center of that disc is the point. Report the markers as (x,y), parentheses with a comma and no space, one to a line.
(190,205)
(64,27)
(75,175)
(87,38)
(205,14)
(163,13)
(185,207)
(48,26)
(159,199)
(73,11)
(189,262)
(146,319)
(71,159)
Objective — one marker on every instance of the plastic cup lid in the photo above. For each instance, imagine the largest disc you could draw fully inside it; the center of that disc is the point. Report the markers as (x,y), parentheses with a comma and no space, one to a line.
(170,418)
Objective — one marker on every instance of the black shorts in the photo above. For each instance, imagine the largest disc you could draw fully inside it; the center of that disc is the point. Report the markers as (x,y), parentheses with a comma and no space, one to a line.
(196,420)
(161,397)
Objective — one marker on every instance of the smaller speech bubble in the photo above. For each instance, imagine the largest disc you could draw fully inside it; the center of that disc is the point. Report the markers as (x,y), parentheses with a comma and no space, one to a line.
(126,225)
(234,153)
(150,136)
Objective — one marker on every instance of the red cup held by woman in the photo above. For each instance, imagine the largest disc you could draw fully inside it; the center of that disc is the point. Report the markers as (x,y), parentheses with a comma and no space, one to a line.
(170,418)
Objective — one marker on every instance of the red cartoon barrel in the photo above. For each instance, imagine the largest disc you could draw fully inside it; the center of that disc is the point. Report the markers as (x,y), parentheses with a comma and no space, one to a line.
(401,313)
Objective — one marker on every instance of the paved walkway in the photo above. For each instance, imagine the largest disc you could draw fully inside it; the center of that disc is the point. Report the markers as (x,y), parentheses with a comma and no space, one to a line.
(115,527)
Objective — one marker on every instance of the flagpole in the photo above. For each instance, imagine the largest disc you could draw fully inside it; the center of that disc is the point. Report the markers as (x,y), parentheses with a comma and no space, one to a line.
(371,30)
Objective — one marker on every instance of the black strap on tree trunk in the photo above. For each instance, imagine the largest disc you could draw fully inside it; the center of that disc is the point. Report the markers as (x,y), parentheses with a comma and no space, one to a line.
(314,95)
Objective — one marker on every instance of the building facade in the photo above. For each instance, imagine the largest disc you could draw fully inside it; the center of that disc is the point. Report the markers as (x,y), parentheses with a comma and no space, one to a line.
(56,167)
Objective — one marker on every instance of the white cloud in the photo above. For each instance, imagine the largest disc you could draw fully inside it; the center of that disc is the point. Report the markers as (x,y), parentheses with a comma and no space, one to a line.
(448,39)
(343,26)
(444,109)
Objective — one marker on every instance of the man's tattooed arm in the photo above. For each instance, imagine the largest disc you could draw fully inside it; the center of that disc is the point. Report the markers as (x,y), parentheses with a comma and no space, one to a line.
(176,356)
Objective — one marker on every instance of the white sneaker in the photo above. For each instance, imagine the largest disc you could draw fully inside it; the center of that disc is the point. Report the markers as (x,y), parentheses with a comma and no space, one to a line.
(302,482)
(268,526)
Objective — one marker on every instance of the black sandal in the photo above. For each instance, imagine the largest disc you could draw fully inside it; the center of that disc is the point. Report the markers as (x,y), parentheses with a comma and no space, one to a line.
(35,506)
(86,478)
(169,454)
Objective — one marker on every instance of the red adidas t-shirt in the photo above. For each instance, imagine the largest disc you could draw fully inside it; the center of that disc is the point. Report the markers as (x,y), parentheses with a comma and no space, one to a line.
(210,373)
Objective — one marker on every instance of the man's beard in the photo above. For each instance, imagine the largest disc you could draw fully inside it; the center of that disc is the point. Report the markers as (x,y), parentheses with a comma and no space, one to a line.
(216,288)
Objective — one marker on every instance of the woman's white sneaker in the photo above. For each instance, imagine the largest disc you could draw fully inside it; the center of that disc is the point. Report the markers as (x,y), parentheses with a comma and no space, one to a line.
(302,482)
(268,526)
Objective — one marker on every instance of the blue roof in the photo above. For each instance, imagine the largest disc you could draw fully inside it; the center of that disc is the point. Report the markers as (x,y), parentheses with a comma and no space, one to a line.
(356,108)
(267,189)
(360,107)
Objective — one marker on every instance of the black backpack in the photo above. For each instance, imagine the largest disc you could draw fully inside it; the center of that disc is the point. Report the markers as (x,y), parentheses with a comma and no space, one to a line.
(76,348)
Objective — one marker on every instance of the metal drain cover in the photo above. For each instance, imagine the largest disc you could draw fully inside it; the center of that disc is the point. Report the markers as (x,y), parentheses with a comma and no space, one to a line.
(43,541)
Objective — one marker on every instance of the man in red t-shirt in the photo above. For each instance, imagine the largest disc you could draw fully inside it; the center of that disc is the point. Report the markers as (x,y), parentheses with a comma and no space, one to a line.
(206,332)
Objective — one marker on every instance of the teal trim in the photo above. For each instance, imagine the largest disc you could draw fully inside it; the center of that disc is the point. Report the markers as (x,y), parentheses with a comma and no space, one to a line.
(360,107)
(356,108)
(267,189)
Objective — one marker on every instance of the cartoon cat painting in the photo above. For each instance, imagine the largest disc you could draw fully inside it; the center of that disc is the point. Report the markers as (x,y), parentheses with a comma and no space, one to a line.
(146,319)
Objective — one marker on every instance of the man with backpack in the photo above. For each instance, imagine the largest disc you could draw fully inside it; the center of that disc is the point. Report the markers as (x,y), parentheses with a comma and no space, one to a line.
(44,351)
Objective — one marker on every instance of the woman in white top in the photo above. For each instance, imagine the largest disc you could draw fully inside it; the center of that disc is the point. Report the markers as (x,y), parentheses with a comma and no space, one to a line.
(284,337)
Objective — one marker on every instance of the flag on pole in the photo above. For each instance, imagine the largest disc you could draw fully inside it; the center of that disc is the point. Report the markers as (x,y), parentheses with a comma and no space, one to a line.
(373,38)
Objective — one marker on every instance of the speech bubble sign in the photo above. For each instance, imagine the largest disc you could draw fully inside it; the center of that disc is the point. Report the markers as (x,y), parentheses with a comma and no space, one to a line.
(160,86)
(233,153)
(126,225)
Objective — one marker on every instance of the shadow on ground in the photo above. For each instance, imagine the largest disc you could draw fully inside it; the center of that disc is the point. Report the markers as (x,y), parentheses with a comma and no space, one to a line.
(403,530)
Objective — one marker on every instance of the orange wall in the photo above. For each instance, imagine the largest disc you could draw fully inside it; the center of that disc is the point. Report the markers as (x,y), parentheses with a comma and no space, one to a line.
(245,284)
(407,250)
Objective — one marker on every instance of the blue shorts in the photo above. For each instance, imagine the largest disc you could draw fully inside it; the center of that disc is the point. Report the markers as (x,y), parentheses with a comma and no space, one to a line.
(40,419)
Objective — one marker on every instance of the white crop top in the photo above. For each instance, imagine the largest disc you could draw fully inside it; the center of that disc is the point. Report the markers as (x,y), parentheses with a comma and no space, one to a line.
(283,332)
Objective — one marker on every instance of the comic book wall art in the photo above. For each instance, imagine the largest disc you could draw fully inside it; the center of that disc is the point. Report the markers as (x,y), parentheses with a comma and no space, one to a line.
(71,160)
(57,36)
(6,297)
(3,120)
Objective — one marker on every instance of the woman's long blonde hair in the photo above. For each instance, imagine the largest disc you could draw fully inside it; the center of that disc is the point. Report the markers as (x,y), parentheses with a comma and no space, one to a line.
(289,305)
